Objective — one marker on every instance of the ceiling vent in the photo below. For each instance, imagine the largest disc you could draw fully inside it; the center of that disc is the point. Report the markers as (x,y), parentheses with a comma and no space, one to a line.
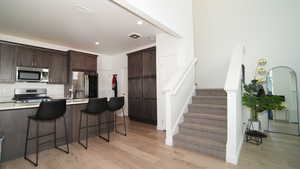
(134,36)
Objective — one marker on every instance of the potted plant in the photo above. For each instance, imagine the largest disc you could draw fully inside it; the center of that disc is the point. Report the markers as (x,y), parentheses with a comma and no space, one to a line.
(255,98)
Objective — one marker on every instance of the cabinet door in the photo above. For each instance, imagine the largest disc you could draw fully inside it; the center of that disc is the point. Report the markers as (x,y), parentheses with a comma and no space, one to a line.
(42,58)
(83,61)
(91,63)
(7,62)
(149,62)
(77,60)
(25,56)
(149,100)
(58,69)
(149,86)
(134,98)
(135,64)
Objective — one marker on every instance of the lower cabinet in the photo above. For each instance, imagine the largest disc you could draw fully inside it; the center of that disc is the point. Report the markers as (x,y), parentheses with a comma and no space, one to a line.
(13,125)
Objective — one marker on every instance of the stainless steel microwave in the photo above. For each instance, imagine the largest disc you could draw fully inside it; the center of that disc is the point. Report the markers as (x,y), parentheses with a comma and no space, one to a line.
(29,74)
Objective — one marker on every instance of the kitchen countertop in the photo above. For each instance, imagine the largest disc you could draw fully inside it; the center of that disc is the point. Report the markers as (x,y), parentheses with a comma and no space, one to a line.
(13,106)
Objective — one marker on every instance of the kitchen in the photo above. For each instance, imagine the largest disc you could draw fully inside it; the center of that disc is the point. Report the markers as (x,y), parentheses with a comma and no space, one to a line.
(36,68)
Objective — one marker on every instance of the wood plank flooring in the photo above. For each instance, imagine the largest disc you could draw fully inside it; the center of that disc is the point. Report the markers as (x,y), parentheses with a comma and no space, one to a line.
(144,148)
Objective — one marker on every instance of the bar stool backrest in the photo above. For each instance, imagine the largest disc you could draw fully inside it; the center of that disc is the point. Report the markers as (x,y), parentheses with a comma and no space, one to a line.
(115,103)
(97,106)
(51,110)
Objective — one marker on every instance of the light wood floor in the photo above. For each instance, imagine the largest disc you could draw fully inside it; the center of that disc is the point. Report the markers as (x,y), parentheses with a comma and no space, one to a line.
(284,127)
(144,148)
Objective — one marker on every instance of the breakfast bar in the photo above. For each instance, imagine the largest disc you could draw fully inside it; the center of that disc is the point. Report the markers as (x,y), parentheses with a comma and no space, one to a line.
(13,122)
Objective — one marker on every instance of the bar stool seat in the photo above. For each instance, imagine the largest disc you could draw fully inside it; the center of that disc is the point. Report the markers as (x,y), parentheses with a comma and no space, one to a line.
(95,107)
(47,111)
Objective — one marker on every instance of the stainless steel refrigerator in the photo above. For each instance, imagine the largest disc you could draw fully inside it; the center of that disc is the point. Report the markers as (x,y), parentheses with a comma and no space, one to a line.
(85,85)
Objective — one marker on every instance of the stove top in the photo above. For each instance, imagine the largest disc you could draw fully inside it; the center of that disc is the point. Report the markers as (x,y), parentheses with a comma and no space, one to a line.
(31,95)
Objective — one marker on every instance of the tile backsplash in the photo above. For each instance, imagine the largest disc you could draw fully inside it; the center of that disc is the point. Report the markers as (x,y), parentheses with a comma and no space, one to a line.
(7,89)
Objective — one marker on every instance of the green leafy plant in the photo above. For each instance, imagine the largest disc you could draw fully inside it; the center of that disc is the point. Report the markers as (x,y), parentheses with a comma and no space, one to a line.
(255,98)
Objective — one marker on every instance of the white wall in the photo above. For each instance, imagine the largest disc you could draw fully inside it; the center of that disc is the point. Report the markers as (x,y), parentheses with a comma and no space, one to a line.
(173,53)
(270,28)
(107,66)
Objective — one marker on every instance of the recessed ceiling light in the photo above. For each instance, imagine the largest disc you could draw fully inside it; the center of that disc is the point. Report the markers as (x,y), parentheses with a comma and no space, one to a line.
(97,43)
(140,22)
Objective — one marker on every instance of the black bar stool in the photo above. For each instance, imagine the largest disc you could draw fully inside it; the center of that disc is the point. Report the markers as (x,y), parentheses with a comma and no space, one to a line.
(95,107)
(48,111)
(115,104)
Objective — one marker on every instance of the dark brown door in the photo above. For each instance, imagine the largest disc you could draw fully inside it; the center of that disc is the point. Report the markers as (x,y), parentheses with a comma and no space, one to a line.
(149,85)
(142,86)
(7,62)
(135,86)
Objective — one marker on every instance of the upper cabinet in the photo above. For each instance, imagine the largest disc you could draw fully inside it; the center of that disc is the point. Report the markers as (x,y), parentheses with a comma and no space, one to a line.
(8,53)
(83,61)
(25,56)
(58,68)
(59,63)
(33,57)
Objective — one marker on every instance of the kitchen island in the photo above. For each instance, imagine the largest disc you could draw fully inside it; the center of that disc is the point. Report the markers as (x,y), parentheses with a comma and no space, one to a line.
(13,125)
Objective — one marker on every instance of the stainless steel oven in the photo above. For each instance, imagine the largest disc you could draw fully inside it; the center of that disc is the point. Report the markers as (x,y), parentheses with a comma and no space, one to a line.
(29,74)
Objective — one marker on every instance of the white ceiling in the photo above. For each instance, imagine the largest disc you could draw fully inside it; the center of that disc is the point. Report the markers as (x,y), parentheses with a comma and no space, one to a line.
(75,23)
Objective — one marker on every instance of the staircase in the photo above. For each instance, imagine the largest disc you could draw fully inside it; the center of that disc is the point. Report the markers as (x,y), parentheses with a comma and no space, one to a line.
(204,128)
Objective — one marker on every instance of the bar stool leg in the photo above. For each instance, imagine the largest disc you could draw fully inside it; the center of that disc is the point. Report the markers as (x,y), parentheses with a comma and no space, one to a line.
(55,134)
(124,121)
(115,122)
(99,125)
(80,119)
(108,131)
(66,136)
(100,136)
(27,135)
(87,130)
(37,143)
(79,137)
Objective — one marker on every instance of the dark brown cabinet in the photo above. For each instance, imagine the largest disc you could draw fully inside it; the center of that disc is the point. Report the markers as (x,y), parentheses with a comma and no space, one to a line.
(8,54)
(59,63)
(142,100)
(33,57)
(42,58)
(83,61)
(58,69)
(55,61)
(25,56)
